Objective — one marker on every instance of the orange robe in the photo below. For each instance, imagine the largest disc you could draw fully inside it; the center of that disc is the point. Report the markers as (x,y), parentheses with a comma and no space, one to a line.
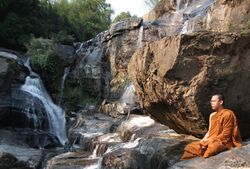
(223,134)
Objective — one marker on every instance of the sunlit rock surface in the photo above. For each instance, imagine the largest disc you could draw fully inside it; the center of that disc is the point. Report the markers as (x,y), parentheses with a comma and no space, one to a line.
(234,159)
(175,77)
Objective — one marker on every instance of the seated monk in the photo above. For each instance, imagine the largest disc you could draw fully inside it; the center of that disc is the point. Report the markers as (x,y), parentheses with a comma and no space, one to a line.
(223,133)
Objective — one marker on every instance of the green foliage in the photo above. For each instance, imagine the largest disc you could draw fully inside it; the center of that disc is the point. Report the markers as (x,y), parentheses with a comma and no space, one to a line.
(232,27)
(126,82)
(40,51)
(62,20)
(152,3)
(86,17)
(63,38)
(44,62)
(88,99)
(248,24)
(122,16)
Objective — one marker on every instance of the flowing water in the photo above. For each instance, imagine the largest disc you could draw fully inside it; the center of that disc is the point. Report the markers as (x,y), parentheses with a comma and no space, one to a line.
(140,37)
(193,11)
(55,114)
(66,72)
(182,21)
(36,104)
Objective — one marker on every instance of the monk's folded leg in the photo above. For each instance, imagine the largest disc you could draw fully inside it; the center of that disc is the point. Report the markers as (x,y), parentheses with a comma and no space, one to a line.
(192,150)
(214,148)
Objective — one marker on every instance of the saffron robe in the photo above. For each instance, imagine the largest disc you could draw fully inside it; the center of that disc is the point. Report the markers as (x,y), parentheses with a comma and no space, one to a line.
(223,134)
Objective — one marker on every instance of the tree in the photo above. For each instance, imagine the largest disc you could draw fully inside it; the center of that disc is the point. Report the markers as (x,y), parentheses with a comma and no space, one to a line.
(122,16)
(20,20)
(151,3)
(86,17)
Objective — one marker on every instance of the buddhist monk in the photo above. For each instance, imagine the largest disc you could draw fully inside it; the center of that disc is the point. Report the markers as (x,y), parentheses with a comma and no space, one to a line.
(223,132)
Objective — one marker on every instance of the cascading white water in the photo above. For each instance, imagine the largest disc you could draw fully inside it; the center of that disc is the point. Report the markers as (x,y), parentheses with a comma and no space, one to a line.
(8,55)
(66,72)
(129,96)
(56,116)
(191,10)
(140,36)
(80,47)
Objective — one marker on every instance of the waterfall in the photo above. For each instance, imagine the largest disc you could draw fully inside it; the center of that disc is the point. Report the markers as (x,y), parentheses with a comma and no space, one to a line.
(8,55)
(34,86)
(66,72)
(191,11)
(80,47)
(129,96)
(182,4)
(178,4)
(140,36)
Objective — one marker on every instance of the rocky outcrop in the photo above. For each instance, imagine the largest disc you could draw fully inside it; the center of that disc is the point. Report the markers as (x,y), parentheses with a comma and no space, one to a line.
(65,53)
(138,142)
(235,158)
(14,157)
(175,77)
(23,113)
(228,16)
(192,16)
(100,68)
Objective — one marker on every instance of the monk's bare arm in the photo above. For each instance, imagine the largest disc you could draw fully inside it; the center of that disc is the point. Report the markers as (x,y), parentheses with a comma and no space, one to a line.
(205,138)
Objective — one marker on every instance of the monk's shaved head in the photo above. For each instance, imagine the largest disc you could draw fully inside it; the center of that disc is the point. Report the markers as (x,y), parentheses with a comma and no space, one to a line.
(220,97)
(217,102)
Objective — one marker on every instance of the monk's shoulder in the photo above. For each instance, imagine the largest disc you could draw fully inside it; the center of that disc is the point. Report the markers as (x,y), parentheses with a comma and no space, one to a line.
(228,113)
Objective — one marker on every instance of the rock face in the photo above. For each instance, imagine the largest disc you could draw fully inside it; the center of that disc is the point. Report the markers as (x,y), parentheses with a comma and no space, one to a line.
(235,158)
(64,53)
(221,15)
(175,77)
(101,62)
(15,158)
(23,113)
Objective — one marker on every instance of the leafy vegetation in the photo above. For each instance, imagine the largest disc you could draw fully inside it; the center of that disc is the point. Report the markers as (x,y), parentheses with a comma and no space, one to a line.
(248,24)
(122,16)
(43,61)
(79,20)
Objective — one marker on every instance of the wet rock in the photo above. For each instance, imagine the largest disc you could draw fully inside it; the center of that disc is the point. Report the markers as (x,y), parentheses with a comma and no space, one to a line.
(19,158)
(228,16)
(28,138)
(150,153)
(145,144)
(235,158)
(220,15)
(65,52)
(69,160)
(125,25)
(23,110)
(87,126)
(101,63)
(175,77)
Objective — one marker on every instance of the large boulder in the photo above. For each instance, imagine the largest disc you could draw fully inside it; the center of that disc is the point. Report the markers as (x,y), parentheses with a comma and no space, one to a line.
(65,53)
(100,68)
(22,114)
(19,157)
(191,16)
(232,159)
(175,77)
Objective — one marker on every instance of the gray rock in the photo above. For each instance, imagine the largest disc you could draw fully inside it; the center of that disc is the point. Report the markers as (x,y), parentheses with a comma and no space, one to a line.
(175,77)
(65,52)
(13,157)
(232,159)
